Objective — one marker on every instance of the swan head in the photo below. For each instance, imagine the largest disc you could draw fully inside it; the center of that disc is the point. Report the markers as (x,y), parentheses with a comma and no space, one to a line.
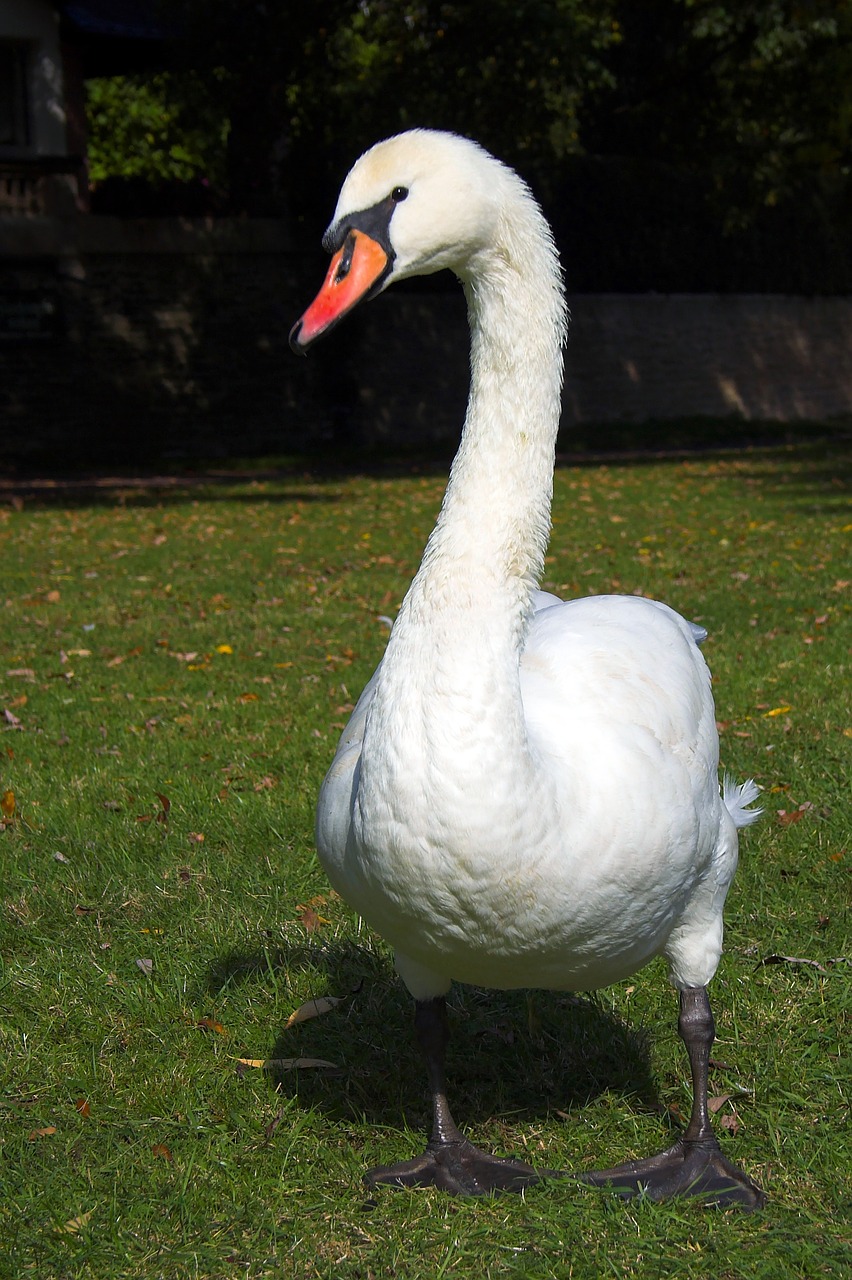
(412,205)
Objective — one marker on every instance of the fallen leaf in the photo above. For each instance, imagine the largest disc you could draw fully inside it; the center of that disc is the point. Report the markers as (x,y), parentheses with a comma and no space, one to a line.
(147,966)
(22,673)
(60,857)
(308,917)
(75,1225)
(20,701)
(313,1009)
(11,718)
(163,815)
(777,711)
(80,910)
(776,959)
(730,1122)
(82,1105)
(288,1064)
(274,1123)
(716,1103)
(210,1024)
(224,648)
(787,818)
(247,697)
(161,1152)
(53,597)
(8,804)
(46,1132)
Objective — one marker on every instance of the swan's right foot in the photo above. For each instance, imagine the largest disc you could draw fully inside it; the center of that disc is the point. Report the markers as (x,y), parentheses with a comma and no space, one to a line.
(687,1169)
(458,1167)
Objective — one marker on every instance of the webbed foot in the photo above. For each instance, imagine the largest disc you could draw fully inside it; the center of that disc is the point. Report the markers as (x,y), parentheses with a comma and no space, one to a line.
(460,1168)
(688,1168)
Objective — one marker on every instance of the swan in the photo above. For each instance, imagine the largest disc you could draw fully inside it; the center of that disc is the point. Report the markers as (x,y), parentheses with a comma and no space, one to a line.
(527,792)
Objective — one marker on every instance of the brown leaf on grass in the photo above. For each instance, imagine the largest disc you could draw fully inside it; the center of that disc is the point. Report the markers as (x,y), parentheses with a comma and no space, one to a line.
(787,817)
(308,918)
(46,1132)
(161,1152)
(247,697)
(20,701)
(287,1064)
(163,815)
(274,1123)
(80,910)
(146,965)
(730,1122)
(313,1009)
(210,1024)
(22,673)
(776,959)
(8,804)
(74,1225)
(11,718)
(82,1105)
(717,1102)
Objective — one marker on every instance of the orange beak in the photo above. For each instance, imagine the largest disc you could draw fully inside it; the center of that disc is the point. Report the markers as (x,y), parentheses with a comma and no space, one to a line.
(355,269)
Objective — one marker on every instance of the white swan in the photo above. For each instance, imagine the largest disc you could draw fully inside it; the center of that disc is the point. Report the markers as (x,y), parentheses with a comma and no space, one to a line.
(527,791)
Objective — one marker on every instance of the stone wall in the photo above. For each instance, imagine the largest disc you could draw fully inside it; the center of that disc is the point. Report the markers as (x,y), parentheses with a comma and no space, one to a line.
(142,339)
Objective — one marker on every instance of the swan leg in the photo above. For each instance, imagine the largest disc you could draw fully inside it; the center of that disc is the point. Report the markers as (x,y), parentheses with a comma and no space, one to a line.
(695,1165)
(450,1162)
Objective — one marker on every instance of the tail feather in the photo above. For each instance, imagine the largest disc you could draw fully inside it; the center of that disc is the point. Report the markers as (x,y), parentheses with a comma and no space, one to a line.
(736,799)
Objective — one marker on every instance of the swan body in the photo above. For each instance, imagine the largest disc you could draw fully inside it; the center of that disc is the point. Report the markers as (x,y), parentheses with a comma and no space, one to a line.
(527,791)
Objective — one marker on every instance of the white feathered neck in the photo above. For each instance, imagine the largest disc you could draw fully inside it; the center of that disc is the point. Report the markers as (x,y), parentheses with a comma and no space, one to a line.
(487,549)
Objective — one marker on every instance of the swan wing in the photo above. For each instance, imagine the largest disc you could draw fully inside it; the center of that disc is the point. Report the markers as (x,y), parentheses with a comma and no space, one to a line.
(334,807)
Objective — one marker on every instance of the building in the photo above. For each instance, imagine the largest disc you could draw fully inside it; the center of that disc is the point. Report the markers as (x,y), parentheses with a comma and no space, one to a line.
(46,51)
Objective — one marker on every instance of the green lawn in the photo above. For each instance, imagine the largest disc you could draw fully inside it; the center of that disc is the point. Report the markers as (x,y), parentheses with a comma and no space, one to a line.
(175,666)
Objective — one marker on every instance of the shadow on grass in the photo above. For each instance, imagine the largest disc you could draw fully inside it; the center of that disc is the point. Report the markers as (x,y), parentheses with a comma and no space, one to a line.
(820,451)
(511,1054)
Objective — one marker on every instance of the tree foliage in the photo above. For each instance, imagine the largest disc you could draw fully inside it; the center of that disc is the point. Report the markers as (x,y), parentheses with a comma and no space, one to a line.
(159,127)
(757,96)
(737,108)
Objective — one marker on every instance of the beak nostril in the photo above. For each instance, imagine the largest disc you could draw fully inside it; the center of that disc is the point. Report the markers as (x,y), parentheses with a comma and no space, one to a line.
(345,263)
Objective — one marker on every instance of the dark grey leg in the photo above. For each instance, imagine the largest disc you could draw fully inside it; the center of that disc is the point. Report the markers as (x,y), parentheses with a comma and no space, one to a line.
(695,1165)
(449,1161)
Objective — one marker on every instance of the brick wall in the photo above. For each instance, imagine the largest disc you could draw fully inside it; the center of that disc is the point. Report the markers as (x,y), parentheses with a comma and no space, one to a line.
(150,338)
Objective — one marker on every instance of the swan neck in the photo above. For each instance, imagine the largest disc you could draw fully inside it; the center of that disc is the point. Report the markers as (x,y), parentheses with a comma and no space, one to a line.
(495,521)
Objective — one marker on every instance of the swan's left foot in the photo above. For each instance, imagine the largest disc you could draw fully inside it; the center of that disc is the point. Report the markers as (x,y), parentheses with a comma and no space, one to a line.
(687,1169)
(695,1165)
(458,1167)
(450,1162)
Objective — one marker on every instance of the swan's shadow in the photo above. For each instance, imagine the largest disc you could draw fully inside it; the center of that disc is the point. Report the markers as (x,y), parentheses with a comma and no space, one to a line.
(511,1053)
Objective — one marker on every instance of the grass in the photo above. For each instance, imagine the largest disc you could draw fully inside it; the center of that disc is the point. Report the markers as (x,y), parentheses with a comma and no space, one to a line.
(175,666)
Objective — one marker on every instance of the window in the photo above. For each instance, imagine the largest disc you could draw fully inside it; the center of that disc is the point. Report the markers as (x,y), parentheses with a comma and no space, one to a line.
(14,117)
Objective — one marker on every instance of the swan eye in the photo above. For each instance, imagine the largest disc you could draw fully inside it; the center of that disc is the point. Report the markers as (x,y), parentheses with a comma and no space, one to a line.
(399,194)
